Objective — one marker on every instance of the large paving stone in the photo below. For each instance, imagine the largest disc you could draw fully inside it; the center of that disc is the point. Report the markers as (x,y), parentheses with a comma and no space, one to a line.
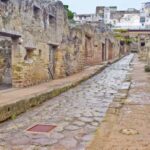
(56,136)
(86,119)
(96,114)
(44,141)
(79,123)
(94,124)
(21,141)
(87,138)
(72,127)
(69,142)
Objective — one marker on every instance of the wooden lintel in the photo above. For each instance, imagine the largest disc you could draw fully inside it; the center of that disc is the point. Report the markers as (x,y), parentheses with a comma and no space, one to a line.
(11,34)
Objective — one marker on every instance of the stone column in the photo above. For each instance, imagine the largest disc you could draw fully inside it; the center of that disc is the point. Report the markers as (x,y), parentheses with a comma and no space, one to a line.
(139,44)
(148,56)
(15,50)
(147,67)
(106,49)
(16,59)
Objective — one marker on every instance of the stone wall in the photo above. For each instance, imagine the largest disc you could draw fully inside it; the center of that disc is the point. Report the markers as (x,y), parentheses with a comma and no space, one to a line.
(40,24)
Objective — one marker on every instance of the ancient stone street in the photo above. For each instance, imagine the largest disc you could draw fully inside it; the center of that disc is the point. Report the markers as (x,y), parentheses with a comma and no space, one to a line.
(77,113)
(74,76)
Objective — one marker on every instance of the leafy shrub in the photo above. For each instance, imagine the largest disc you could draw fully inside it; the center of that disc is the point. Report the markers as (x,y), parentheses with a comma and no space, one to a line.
(69,12)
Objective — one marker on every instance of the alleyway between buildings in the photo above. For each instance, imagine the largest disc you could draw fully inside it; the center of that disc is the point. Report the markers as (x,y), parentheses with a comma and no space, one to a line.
(129,130)
(76,113)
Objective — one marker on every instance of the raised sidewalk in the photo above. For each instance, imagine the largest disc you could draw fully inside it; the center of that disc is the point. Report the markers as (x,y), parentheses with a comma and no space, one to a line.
(16,101)
(127,122)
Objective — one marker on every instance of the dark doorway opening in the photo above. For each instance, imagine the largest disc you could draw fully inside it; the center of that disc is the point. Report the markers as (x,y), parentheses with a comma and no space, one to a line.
(142,44)
(51,67)
(5,63)
(88,49)
(103,52)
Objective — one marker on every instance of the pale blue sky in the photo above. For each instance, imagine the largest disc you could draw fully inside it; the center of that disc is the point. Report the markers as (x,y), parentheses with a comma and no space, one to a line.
(88,6)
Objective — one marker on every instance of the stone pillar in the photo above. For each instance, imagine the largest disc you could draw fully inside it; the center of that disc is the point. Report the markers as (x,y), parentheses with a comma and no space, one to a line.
(106,49)
(16,59)
(148,56)
(147,67)
(15,50)
(59,64)
(139,44)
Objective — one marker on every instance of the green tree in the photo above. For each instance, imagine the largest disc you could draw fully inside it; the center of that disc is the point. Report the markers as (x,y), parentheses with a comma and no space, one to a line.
(69,12)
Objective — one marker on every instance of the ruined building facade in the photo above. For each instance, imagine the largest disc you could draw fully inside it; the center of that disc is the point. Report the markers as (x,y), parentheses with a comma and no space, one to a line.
(37,44)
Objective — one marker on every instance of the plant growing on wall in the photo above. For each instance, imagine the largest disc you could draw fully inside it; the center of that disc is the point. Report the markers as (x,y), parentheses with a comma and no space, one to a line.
(69,12)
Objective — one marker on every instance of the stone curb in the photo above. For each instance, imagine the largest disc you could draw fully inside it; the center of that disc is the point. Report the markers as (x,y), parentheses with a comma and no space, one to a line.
(12,110)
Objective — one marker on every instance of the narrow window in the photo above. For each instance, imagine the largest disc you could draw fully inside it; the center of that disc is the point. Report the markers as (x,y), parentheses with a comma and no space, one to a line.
(142,44)
(51,19)
(29,56)
(40,53)
(36,12)
(122,43)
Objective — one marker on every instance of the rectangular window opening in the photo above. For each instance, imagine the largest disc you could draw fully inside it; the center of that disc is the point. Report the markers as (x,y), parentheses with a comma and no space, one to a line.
(36,12)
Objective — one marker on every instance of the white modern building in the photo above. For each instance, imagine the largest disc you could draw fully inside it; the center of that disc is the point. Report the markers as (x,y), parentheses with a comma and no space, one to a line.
(145,15)
(87,18)
(119,19)
(128,21)
(105,13)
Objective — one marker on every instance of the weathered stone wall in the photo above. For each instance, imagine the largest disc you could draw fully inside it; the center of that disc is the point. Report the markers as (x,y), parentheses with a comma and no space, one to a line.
(70,54)
(82,47)
(113,47)
(40,23)
(142,46)
(116,49)
(92,45)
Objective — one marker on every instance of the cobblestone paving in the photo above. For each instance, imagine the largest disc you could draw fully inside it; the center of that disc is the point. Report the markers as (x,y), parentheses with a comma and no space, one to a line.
(76,113)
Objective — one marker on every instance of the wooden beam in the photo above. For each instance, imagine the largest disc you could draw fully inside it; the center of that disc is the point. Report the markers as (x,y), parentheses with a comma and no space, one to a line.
(11,34)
